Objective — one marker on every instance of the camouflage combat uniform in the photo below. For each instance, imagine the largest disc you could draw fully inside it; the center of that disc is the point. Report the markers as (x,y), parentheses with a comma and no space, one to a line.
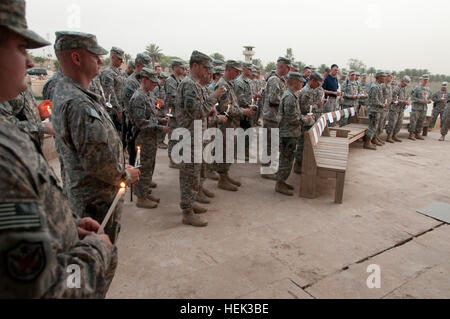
(145,124)
(244,94)
(363,89)
(112,83)
(290,125)
(387,98)
(172,84)
(349,89)
(91,152)
(375,103)
(446,120)
(397,110)
(49,87)
(192,104)
(38,231)
(439,107)
(274,90)
(419,110)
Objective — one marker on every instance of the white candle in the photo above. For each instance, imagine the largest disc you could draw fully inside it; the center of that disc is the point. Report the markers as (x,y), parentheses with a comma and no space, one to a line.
(310,109)
(119,195)
(138,157)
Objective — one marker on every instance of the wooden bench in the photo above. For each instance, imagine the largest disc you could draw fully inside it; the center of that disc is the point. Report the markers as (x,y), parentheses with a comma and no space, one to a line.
(325,156)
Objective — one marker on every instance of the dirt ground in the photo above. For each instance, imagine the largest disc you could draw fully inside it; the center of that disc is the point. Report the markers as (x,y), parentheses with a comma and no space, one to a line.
(260,244)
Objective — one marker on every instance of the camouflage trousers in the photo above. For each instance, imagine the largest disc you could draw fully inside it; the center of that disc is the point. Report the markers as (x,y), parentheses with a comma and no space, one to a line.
(437,111)
(149,147)
(446,120)
(287,155)
(300,144)
(374,120)
(395,121)
(331,105)
(417,119)
(382,121)
(269,125)
(189,183)
(173,125)
(224,167)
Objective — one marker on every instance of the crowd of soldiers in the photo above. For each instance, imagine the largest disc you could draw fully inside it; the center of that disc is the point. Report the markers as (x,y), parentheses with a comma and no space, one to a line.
(108,126)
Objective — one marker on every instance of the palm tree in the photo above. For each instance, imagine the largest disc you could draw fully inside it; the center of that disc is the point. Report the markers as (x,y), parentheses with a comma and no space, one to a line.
(218,56)
(154,52)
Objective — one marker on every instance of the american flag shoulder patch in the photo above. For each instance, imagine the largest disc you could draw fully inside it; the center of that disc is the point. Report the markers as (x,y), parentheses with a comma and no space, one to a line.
(19,216)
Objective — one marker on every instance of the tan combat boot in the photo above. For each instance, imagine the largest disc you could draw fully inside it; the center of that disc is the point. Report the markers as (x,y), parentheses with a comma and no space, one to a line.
(419,137)
(290,187)
(396,139)
(189,218)
(380,141)
(173,165)
(282,188)
(297,168)
(272,177)
(411,136)
(225,184)
(198,209)
(375,141)
(201,198)
(233,181)
(153,198)
(153,185)
(369,146)
(389,139)
(442,139)
(212,175)
(146,203)
(208,193)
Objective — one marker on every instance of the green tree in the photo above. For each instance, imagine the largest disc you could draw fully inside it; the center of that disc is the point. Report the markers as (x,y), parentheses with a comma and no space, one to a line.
(56,64)
(166,61)
(154,52)
(371,70)
(289,54)
(106,61)
(322,68)
(258,63)
(301,66)
(127,57)
(218,56)
(357,65)
(270,66)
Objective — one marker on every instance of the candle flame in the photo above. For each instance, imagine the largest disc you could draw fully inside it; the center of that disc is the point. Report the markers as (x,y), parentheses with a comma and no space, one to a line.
(139,148)
(123,185)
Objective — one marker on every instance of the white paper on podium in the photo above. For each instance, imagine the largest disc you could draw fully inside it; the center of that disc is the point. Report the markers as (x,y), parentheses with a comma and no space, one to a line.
(330,117)
(338,115)
(352,111)
(316,138)
(346,113)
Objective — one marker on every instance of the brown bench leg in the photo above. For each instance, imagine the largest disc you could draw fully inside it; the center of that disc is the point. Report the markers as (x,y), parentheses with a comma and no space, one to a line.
(340,180)
(308,186)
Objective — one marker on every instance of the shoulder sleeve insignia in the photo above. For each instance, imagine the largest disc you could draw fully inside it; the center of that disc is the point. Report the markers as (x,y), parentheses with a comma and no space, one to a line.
(19,216)
(189,99)
(26,261)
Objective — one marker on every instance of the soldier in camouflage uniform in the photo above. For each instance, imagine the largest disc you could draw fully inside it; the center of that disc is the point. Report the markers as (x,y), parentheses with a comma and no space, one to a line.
(172,84)
(130,68)
(397,110)
(86,139)
(420,98)
(376,104)
(440,101)
(350,93)
(290,121)
(160,94)
(49,87)
(445,122)
(229,106)
(363,88)
(387,97)
(218,72)
(275,87)
(310,95)
(38,233)
(146,127)
(112,82)
(193,104)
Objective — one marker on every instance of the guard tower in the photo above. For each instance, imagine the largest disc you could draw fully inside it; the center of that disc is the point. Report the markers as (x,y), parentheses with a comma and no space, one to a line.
(249,53)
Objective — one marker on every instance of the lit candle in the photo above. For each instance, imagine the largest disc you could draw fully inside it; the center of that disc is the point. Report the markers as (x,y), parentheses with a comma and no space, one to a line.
(158,104)
(253,100)
(138,157)
(49,110)
(119,195)
(310,109)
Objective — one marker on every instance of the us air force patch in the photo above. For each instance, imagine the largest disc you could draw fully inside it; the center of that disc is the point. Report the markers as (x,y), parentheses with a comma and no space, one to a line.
(26,261)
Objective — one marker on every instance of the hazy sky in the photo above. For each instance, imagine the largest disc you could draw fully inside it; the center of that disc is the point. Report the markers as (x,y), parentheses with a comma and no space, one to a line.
(386,34)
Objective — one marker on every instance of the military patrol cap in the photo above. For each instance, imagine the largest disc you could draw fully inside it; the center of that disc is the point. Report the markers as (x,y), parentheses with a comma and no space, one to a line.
(118,52)
(425,77)
(284,60)
(71,40)
(444,84)
(352,72)
(176,62)
(380,74)
(12,17)
(143,58)
(218,62)
(295,76)
(295,66)
(317,76)
(406,79)
(387,73)
(218,70)
(163,76)
(149,74)
(234,64)
(247,65)
(364,75)
(327,69)
(344,73)
(201,58)
(131,62)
